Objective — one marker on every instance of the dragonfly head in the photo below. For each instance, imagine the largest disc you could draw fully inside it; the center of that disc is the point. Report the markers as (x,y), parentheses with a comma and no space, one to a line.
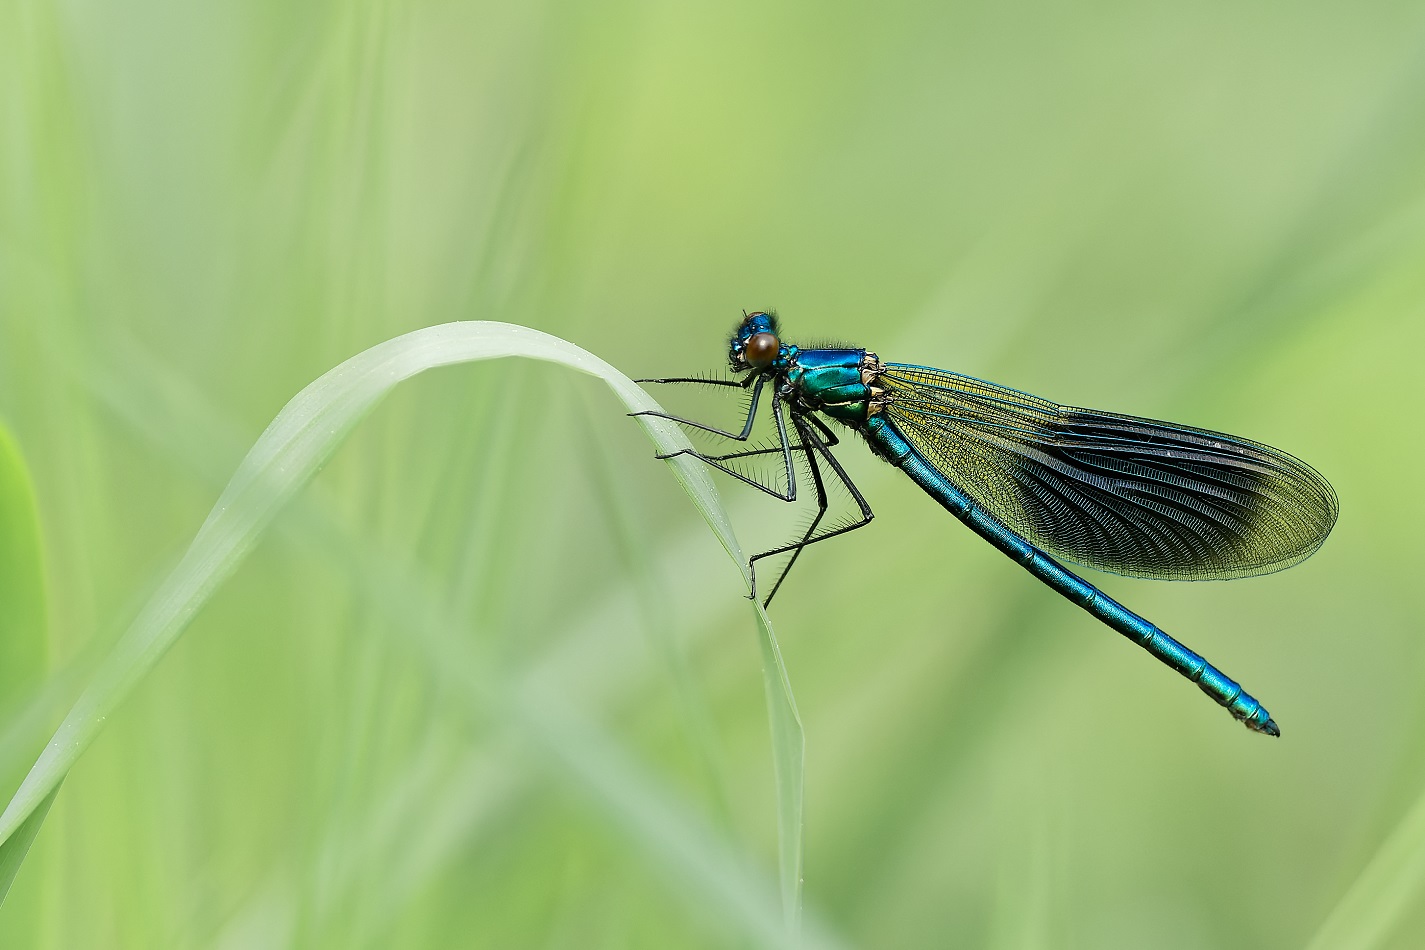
(756,345)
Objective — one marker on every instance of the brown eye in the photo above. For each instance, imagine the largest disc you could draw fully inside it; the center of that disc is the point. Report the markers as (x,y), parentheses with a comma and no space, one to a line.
(761,350)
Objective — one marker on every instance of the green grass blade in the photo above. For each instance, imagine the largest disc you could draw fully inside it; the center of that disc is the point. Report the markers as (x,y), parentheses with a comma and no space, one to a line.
(285,457)
(609,773)
(788,760)
(22,596)
(17,846)
(22,625)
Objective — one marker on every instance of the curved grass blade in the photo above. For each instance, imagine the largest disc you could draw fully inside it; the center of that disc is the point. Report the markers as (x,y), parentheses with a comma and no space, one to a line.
(17,846)
(22,595)
(22,620)
(294,446)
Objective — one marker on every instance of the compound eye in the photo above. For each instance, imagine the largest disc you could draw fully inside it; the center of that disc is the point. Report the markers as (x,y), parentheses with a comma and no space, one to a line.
(761,350)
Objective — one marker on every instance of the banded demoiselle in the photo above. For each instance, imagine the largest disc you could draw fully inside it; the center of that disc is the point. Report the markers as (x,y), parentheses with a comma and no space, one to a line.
(1118,493)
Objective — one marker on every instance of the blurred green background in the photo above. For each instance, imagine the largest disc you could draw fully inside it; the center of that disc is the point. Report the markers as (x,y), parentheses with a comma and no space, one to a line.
(1212,213)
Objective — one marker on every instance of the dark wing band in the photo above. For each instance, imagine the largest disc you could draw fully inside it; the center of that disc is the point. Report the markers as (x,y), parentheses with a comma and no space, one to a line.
(1118,493)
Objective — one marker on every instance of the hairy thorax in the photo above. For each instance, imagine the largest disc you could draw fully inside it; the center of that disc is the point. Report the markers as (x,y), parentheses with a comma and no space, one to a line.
(843,384)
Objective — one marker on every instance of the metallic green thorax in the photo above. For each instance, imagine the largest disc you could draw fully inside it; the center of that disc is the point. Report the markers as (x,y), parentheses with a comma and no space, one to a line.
(839,383)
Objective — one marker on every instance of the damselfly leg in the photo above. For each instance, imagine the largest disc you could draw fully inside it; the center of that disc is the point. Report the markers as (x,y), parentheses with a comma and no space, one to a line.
(755,382)
(815,442)
(784,446)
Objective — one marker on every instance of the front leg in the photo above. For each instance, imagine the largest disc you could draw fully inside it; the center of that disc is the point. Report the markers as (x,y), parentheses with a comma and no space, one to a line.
(784,448)
(700,381)
(739,436)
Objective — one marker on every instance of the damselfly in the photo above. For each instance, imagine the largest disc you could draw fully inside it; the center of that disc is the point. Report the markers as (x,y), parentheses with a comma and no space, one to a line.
(1118,493)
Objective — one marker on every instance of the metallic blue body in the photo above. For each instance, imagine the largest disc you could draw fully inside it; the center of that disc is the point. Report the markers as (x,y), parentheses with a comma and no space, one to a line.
(892,446)
(831,381)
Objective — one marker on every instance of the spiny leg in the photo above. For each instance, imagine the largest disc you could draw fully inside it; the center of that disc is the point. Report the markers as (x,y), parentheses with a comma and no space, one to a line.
(827,434)
(744,454)
(822,504)
(784,448)
(746,426)
(812,443)
(698,380)
(814,446)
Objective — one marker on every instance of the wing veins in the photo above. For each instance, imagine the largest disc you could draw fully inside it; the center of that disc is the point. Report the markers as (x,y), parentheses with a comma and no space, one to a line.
(1121,493)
